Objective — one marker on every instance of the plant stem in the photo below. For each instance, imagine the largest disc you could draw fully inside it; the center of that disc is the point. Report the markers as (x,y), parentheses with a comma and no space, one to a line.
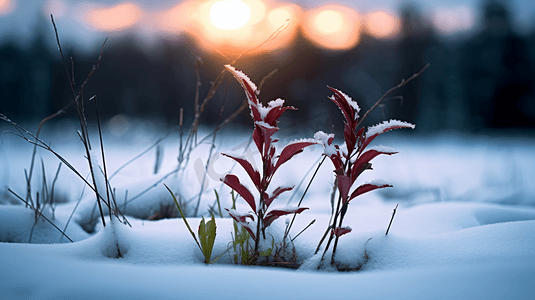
(302,197)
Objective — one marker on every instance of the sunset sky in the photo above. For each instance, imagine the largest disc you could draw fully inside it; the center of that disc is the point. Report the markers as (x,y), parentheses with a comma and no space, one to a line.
(86,22)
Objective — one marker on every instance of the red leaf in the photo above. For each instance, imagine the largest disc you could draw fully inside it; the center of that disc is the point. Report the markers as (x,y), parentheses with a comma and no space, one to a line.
(350,138)
(292,149)
(234,183)
(367,187)
(381,128)
(242,220)
(365,158)
(275,194)
(276,213)
(275,112)
(258,140)
(348,107)
(253,174)
(344,184)
(339,231)
(263,136)
(248,86)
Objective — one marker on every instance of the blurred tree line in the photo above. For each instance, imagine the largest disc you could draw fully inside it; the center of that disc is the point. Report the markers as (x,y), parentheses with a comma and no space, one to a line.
(474,83)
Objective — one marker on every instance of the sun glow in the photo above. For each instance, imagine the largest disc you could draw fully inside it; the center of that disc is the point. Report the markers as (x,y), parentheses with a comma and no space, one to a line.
(6,7)
(333,27)
(229,14)
(113,18)
(381,24)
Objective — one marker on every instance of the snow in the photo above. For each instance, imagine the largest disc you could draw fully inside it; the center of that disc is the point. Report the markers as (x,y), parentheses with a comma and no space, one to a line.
(241,76)
(323,138)
(463,229)
(382,127)
(350,101)
(385,149)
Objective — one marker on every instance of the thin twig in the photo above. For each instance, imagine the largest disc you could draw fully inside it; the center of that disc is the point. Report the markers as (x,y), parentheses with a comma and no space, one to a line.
(107,183)
(391,219)
(217,82)
(81,112)
(208,160)
(401,84)
(303,196)
(38,212)
(142,153)
(310,224)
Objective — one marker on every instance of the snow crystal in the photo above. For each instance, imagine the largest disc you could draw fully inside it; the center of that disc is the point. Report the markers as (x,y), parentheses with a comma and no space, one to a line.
(275,103)
(264,124)
(381,127)
(385,149)
(238,214)
(377,182)
(303,140)
(350,101)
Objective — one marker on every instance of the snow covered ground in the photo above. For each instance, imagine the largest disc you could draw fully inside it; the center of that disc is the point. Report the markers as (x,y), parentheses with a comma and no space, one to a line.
(464,228)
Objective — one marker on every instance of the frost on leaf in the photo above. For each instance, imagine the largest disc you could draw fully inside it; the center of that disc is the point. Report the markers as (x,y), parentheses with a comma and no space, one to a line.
(250,91)
(243,79)
(380,128)
(349,108)
(262,136)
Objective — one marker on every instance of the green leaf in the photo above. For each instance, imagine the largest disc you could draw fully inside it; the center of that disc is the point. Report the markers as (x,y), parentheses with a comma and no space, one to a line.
(207,233)
(218,203)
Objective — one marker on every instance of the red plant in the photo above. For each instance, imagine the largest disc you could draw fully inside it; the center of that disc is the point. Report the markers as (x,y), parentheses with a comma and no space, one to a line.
(348,165)
(265,125)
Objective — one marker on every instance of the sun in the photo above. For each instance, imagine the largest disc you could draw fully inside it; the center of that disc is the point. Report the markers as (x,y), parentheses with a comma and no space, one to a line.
(229,14)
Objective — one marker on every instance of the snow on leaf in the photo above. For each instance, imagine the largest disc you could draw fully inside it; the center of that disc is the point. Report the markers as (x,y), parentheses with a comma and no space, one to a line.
(380,128)
(244,80)
(251,171)
(327,141)
(262,136)
(275,110)
(240,76)
(241,219)
(339,231)
(292,149)
(276,213)
(250,91)
(367,187)
(234,183)
(349,108)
